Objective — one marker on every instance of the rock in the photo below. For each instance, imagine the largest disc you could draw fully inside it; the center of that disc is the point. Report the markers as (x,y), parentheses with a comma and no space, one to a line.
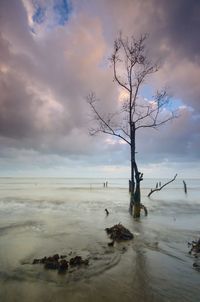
(195,247)
(86,262)
(43,260)
(51,264)
(63,256)
(57,262)
(56,257)
(195,251)
(196,266)
(63,266)
(36,261)
(77,260)
(119,233)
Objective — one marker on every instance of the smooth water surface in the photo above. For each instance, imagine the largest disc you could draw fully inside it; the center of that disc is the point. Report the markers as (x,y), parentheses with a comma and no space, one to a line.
(40,217)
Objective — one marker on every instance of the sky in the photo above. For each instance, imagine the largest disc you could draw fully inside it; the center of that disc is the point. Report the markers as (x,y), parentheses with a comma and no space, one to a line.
(53,53)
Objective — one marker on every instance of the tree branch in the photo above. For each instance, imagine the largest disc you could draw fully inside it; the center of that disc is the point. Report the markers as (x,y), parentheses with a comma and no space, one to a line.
(104,126)
(156,124)
(158,189)
(116,76)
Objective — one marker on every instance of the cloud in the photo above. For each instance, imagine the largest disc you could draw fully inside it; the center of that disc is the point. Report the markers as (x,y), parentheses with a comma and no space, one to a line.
(44,86)
(53,53)
(173,37)
(178,140)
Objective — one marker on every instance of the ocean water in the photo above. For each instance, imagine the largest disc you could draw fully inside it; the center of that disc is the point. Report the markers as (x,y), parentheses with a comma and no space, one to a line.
(43,216)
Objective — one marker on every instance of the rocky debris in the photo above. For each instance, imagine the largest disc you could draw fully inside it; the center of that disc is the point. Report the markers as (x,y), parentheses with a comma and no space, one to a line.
(64,264)
(60,264)
(195,250)
(195,247)
(196,266)
(111,243)
(42,260)
(118,233)
(51,264)
(63,256)
(77,260)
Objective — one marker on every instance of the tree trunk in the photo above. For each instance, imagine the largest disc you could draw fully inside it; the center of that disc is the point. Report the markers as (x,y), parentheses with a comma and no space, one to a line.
(132,188)
(132,168)
(137,201)
(135,187)
(137,196)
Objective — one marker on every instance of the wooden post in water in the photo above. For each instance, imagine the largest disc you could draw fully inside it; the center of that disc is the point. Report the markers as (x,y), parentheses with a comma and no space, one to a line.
(185,186)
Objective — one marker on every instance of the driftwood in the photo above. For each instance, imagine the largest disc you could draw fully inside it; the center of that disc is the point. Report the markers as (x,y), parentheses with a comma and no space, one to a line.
(158,189)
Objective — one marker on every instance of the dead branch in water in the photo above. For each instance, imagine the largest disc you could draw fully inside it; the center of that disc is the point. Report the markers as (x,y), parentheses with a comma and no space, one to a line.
(159,189)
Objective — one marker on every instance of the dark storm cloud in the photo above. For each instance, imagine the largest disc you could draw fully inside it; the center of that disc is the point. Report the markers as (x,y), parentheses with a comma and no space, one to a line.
(182,20)
(174,29)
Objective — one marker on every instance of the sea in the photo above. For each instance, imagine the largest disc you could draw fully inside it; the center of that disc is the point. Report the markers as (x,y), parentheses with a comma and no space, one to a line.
(44,216)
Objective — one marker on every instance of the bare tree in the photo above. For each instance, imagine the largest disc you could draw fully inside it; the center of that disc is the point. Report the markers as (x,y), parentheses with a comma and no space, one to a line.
(131,68)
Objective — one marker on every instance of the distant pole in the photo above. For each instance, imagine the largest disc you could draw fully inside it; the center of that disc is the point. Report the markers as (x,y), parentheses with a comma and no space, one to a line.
(185,186)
